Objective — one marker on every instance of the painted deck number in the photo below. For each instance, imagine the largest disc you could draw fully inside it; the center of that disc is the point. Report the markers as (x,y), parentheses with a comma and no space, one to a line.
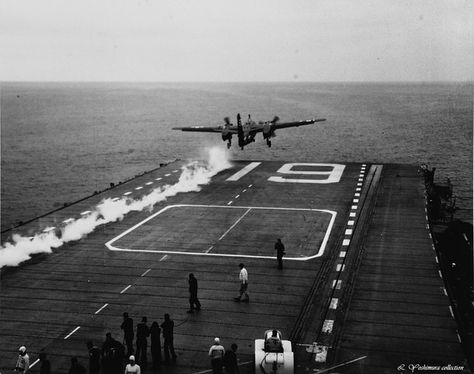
(331,176)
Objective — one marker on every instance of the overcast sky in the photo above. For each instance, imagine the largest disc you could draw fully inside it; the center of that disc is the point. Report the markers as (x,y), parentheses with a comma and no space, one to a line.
(242,40)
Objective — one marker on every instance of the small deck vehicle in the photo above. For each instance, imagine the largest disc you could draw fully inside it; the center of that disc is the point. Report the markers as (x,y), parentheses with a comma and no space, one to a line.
(273,354)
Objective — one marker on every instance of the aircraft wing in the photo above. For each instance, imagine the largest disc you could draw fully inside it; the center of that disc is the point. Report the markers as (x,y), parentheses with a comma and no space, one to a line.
(200,128)
(277,125)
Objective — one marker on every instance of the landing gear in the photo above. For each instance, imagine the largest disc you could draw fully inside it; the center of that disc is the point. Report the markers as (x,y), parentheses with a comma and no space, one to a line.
(269,143)
(229,143)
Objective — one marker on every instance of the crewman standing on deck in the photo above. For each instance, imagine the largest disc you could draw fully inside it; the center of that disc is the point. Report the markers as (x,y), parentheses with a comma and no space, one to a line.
(23,361)
(127,327)
(244,282)
(280,248)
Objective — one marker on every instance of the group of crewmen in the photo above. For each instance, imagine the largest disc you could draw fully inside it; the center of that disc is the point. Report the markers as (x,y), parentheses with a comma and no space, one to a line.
(112,355)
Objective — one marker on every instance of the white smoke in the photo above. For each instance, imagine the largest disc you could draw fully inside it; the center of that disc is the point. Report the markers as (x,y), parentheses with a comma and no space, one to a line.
(193,176)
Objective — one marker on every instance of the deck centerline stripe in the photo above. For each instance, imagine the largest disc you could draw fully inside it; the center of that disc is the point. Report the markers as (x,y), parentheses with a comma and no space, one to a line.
(34,363)
(145,273)
(126,288)
(164,258)
(101,308)
(72,332)
(235,223)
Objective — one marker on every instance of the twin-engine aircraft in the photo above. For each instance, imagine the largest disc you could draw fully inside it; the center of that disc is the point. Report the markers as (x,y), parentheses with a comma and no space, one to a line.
(246,132)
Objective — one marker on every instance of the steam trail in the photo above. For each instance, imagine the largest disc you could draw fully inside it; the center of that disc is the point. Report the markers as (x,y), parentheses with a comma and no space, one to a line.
(193,176)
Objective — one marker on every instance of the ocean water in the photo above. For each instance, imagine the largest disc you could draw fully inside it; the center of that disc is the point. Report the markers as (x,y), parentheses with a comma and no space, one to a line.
(62,141)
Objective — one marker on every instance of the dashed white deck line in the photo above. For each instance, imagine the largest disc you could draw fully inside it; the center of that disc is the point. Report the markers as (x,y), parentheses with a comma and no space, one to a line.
(139,188)
(358,189)
(164,258)
(342,254)
(465,237)
(340,267)
(230,202)
(352,214)
(361,175)
(354,207)
(436,259)
(85,213)
(444,291)
(145,273)
(334,302)
(337,284)
(69,220)
(357,194)
(427,226)
(236,196)
(250,185)
(126,288)
(350,223)
(116,199)
(72,332)
(328,325)
(355,201)
(359,184)
(451,311)
(247,169)
(175,171)
(440,275)
(34,363)
(459,338)
(158,179)
(209,249)
(429,234)
(235,223)
(361,179)
(244,190)
(167,175)
(346,242)
(48,229)
(148,183)
(348,232)
(101,309)
(126,193)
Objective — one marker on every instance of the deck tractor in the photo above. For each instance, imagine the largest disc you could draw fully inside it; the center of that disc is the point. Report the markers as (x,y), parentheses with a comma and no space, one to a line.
(273,355)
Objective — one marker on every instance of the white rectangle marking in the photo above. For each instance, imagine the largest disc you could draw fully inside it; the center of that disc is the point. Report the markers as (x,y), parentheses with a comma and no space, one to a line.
(357,194)
(451,311)
(158,179)
(359,184)
(86,213)
(342,254)
(348,232)
(148,183)
(126,193)
(350,223)
(230,202)
(167,175)
(352,214)
(346,242)
(34,363)
(354,207)
(340,267)
(337,284)
(334,302)
(355,200)
(66,221)
(328,325)
(247,169)
(138,188)
(358,189)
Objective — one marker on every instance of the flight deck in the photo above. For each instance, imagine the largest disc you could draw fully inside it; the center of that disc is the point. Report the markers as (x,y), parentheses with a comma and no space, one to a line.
(360,290)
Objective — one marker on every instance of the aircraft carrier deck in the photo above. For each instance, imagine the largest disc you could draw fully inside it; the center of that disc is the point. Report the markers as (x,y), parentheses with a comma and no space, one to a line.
(360,290)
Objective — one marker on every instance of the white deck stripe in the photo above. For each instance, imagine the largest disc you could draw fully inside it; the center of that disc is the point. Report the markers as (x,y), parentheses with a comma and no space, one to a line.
(348,232)
(126,288)
(334,302)
(237,196)
(34,363)
(116,199)
(72,332)
(86,213)
(451,311)
(354,207)
(148,183)
(358,189)
(230,202)
(158,179)
(139,188)
(346,242)
(209,249)
(235,223)
(145,273)
(337,284)
(350,223)
(247,169)
(328,325)
(127,193)
(355,200)
(66,221)
(164,258)
(48,229)
(100,309)
(167,175)
(342,254)
(340,267)
(352,214)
